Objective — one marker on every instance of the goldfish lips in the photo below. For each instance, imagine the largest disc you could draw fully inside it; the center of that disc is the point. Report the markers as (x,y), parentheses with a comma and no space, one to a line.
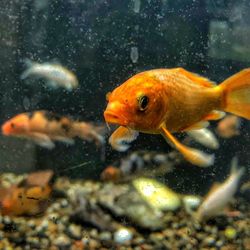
(114,114)
(6,128)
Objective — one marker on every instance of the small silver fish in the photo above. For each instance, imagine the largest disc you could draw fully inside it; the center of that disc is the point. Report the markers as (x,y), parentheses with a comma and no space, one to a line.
(219,196)
(205,137)
(56,75)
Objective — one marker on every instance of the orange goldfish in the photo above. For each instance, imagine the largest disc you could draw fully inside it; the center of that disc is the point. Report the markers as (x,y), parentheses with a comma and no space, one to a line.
(43,127)
(165,101)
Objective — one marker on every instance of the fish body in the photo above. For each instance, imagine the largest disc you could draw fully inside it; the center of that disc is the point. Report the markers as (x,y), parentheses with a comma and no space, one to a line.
(44,127)
(165,101)
(28,197)
(56,74)
(205,137)
(219,196)
(141,163)
(28,201)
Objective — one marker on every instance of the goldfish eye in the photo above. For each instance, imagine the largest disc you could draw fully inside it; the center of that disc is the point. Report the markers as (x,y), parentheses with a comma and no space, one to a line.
(143,102)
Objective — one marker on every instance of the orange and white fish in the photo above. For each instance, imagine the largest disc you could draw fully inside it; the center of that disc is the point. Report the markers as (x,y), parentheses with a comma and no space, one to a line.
(56,74)
(29,197)
(28,201)
(220,195)
(44,127)
(229,127)
(165,101)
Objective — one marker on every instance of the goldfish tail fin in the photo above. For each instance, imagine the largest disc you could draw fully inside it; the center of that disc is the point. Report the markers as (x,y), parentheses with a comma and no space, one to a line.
(236,94)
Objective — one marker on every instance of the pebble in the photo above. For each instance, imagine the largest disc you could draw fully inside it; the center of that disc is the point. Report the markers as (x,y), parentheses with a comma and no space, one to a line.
(1,235)
(219,243)
(209,241)
(33,241)
(31,224)
(75,231)
(62,241)
(123,235)
(6,220)
(30,233)
(230,233)
(105,236)
(64,203)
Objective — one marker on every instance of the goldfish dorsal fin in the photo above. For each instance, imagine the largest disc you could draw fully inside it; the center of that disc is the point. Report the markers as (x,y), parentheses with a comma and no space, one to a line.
(203,81)
(214,115)
(196,126)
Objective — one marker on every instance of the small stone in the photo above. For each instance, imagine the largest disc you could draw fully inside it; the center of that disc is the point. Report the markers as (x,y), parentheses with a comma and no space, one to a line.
(1,235)
(175,225)
(219,243)
(105,236)
(138,240)
(33,242)
(93,233)
(209,241)
(64,203)
(44,243)
(230,233)
(6,220)
(75,232)
(123,235)
(31,224)
(155,237)
(62,241)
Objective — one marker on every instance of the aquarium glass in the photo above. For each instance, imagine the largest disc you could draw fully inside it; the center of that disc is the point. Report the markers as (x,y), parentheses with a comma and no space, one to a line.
(167,178)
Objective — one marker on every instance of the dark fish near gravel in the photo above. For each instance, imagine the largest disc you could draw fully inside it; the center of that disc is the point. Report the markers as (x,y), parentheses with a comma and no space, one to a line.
(141,163)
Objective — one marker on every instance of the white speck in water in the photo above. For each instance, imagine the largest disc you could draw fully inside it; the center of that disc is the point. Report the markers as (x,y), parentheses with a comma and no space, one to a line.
(137,6)
(26,103)
(134,54)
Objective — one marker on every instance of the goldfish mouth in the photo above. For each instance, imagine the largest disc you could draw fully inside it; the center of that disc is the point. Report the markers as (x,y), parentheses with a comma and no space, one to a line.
(5,129)
(111,117)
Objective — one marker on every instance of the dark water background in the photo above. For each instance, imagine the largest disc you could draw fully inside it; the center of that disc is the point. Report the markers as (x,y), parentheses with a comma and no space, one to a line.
(94,39)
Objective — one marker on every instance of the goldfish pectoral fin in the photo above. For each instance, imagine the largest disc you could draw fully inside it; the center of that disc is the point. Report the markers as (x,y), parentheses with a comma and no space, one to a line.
(197,157)
(214,115)
(205,137)
(198,125)
(121,137)
(63,139)
(192,155)
(41,140)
